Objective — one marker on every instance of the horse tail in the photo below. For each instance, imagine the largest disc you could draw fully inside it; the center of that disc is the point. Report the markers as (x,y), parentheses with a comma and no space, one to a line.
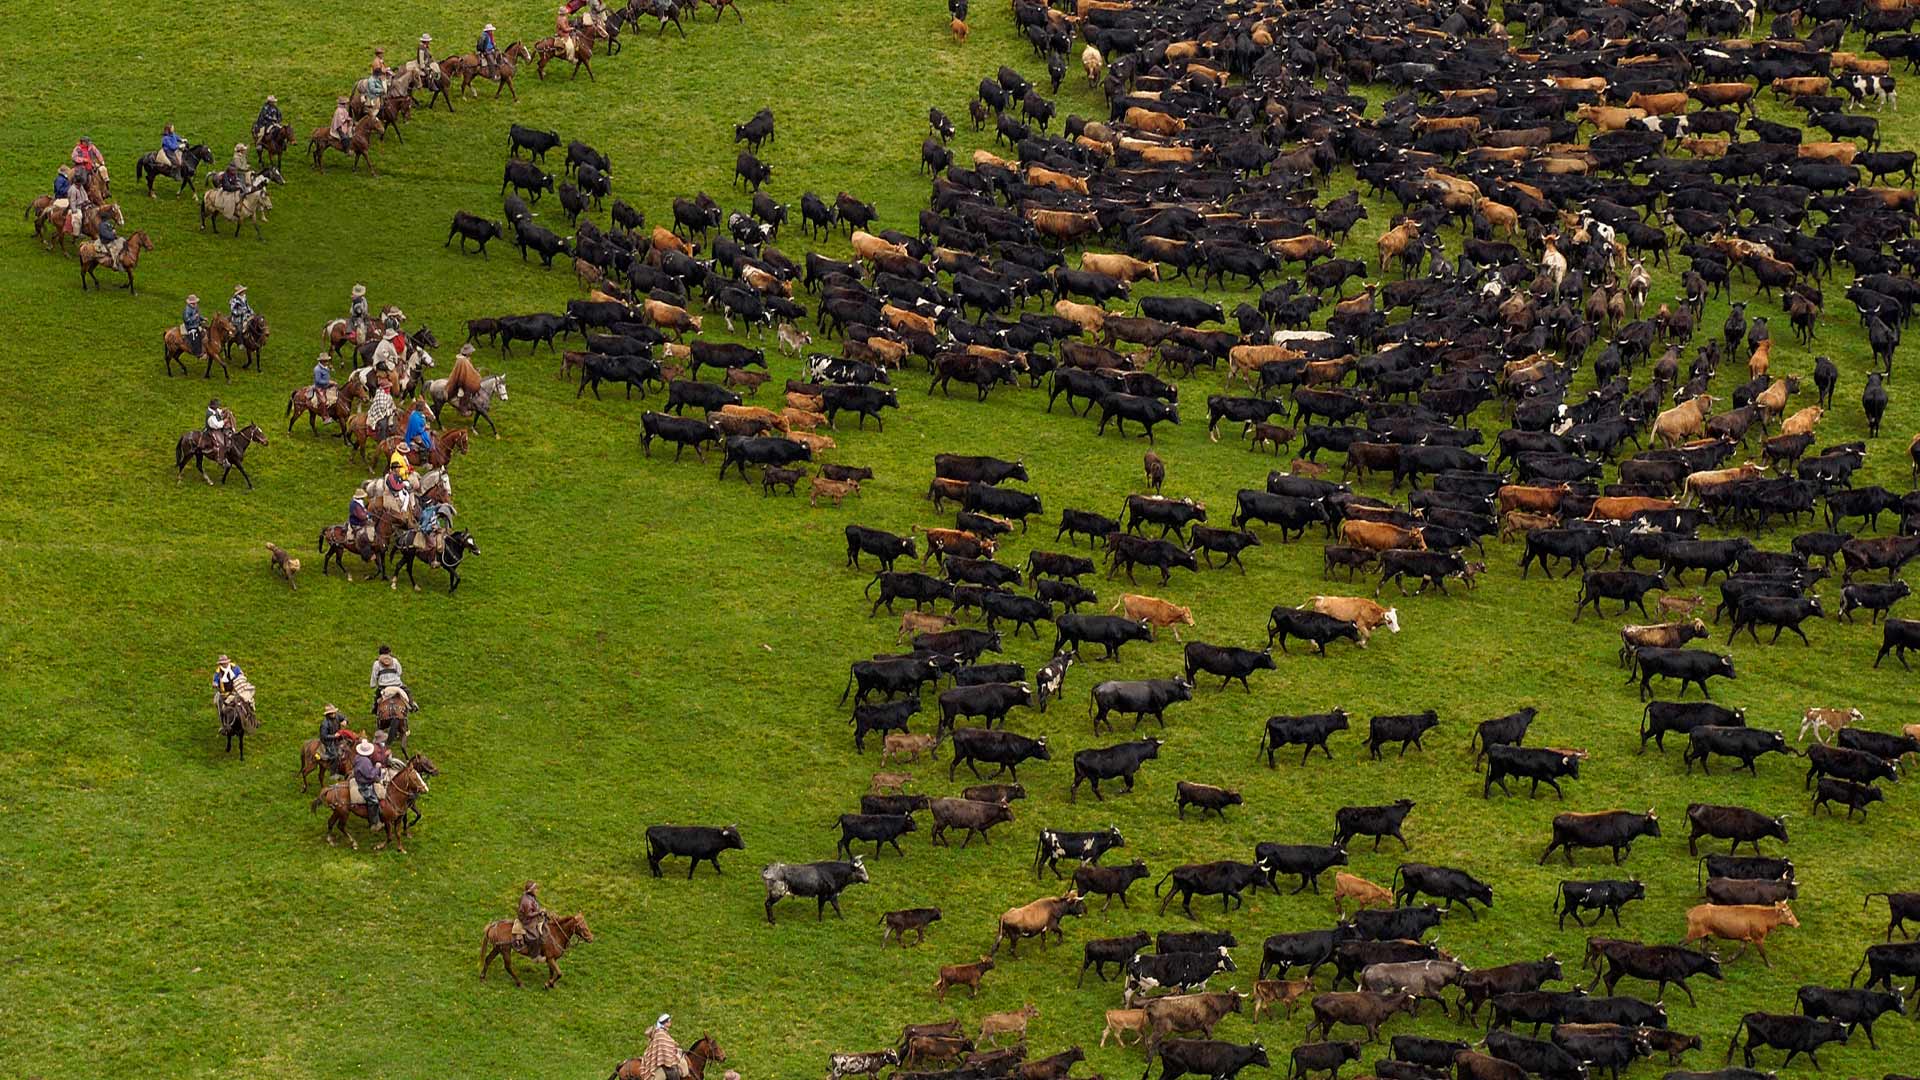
(317,800)
(322,545)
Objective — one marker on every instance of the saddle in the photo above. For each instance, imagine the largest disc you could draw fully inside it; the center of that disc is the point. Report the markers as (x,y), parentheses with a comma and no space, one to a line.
(528,944)
(353,793)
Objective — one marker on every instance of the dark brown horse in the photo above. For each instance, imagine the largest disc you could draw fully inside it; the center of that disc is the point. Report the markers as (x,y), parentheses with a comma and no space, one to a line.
(272,144)
(174,350)
(497,940)
(312,759)
(251,338)
(444,445)
(151,168)
(698,1055)
(336,544)
(364,129)
(43,216)
(92,259)
(406,786)
(392,712)
(454,549)
(555,48)
(237,721)
(230,454)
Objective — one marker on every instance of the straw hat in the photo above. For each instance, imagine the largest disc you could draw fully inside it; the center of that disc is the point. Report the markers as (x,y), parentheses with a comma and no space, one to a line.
(225,659)
(331,710)
(271,100)
(365,749)
(426,37)
(239,148)
(193,298)
(359,290)
(487,29)
(340,101)
(239,290)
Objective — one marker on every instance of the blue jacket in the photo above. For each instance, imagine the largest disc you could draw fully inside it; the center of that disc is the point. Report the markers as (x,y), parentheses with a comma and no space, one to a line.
(357,513)
(269,114)
(429,517)
(190,317)
(417,430)
(60,185)
(225,677)
(364,770)
(322,374)
(107,235)
(171,142)
(486,43)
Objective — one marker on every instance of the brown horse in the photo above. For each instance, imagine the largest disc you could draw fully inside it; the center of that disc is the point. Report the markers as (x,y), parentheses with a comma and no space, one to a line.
(407,785)
(444,445)
(336,544)
(272,144)
(364,129)
(311,759)
(173,347)
(392,712)
(231,454)
(469,68)
(698,1055)
(42,213)
(92,258)
(438,84)
(237,721)
(497,940)
(302,402)
(251,338)
(555,48)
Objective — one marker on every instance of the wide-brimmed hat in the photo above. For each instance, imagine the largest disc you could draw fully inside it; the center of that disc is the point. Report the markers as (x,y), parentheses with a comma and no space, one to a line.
(273,99)
(531,886)
(193,298)
(365,749)
(465,350)
(665,1019)
(238,289)
(487,29)
(331,709)
(426,37)
(88,139)
(359,290)
(239,148)
(225,659)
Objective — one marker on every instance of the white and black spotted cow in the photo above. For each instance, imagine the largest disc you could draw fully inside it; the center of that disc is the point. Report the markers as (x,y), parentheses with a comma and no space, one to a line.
(870,1064)
(1057,844)
(1049,680)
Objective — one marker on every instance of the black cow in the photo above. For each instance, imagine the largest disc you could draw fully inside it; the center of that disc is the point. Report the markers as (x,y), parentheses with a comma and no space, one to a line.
(987,701)
(879,828)
(1172,515)
(880,719)
(1627,586)
(1125,551)
(1208,542)
(1305,861)
(1108,881)
(1430,567)
(1285,622)
(1225,878)
(824,881)
(1103,951)
(1528,763)
(1118,762)
(1378,822)
(879,543)
(1858,766)
(1107,631)
(1206,797)
(1884,963)
(863,400)
(1002,748)
(1536,1056)
(706,396)
(1425,1051)
(1686,665)
(1307,732)
(681,431)
(544,242)
(1508,730)
(1743,743)
(1897,636)
(1746,891)
(1877,599)
(1140,697)
(1855,1008)
(1024,611)
(532,140)
(475,228)
(1183,971)
(1145,411)
(1779,612)
(1051,677)
(1324,1057)
(906,585)
(1054,564)
(1879,744)
(1442,882)
(905,675)
(1293,515)
(978,469)
(1194,941)
(1607,897)
(1736,824)
(1405,729)
(1481,985)
(1226,661)
(525,176)
(1615,829)
(1206,1057)
(1085,523)
(1791,1032)
(695,843)
(1057,844)
(1661,717)
(987,499)
(1065,593)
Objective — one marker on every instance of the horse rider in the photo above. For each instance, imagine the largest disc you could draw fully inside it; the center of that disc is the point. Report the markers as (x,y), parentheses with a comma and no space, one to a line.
(463,381)
(340,128)
(489,52)
(663,1058)
(193,327)
(77,202)
(111,242)
(423,58)
(359,519)
(86,158)
(382,754)
(357,321)
(171,144)
(380,411)
(241,164)
(238,309)
(333,737)
(230,683)
(434,523)
(323,392)
(563,29)
(386,676)
(218,421)
(366,774)
(388,350)
(419,437)
(268,118)
(530,920)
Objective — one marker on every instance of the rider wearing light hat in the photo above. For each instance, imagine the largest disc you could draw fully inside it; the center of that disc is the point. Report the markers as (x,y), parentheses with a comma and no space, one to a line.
(268,119)
(662,1059)
(423,57)
(357,321)
(341,127)
(489,52)
(366,773)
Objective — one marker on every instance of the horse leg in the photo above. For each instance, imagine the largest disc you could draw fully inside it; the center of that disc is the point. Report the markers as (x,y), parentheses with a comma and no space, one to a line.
(554,971)
(243,475)
(506,957)
(487,951)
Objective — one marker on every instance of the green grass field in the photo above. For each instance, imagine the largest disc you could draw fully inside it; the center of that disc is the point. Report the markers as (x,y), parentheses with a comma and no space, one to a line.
(639,644)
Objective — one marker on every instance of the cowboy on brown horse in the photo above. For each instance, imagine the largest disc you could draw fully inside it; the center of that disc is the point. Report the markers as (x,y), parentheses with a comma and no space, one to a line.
(530,920)
(499,940)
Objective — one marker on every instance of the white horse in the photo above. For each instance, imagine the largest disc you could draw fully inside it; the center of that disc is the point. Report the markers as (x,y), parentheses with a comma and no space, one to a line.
(476,405)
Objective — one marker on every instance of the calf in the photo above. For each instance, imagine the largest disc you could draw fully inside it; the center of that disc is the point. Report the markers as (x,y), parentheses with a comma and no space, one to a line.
(1108,881)
(910,920)
(966,814)
(878,828)
(1103,951)
(967,975)
(1607,897)
(995,1025)
(1122,1021)
(1405,729)
(1206,797)
(1118,762)
(1285,993)
(1855,797)
(1363,893)
(841,1065)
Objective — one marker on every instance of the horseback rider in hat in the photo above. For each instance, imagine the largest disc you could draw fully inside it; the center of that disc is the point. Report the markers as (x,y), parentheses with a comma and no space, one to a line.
(419,437)
(77,202)
(563,30)
(268,119)
(435,521)
(357,322)
(111,243)
(488,51)
(380,410)
(340,128)
(377,77)
(463,380)
(238,309)
(171,144)
(366,774)
(663,1058)
(230,683)
(324,393)
(193,326)
(239,166)
(423,58)
(219,421)
(386,675)
(86,158)
(333,737)
(359,519)
(530,920)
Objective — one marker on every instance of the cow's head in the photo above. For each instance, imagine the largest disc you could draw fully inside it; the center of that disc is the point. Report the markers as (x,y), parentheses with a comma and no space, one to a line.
(730,838)
(859,869)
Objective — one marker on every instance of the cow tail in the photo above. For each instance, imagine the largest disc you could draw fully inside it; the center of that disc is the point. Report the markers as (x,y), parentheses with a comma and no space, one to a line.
(1558,895)
(1736,1037)
(1162,881)
(1867,899)
(1646,714)
(868,591)
(1852,977)
(1266,733)
(848,688)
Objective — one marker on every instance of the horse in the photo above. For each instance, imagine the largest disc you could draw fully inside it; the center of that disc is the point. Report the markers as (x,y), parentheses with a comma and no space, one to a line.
(418,340)
(400,85)
(336,542)
(248,204)
(272,144)
(42,212)
(555,48)
(698,1055)
(392,711)
(470,69)
(497,940)
(720,6)
(667,11)
(311,760)
(302,403)
(444,445)
(477,405)
(92,258)
(363,130)
(151,168)
(251,338)
(237,721)
(453,550)
(231,455)
(406,785)
(174,350)
(433,80)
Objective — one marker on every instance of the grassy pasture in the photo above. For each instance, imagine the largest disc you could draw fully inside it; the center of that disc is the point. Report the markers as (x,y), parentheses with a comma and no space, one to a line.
(636,644)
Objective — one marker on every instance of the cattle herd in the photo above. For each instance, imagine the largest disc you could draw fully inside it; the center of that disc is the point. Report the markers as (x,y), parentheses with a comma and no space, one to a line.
(1538,175)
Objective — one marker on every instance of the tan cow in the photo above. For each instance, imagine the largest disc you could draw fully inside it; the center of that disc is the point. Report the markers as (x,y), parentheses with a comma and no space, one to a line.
(1499,216)
(1855,64)
(1285,993)
(1802,86)
(1705,148)
(1623,507)
(1748,924)
(1609,117)
(967,975)
(1534,500)
(1842,152)
(903,746)
(1303,248)
(1122,1021)
(1380,536)
(1825,722)
(905,321)
(994,1025)
(1672,104)
(892,354)
(667,317)
(890,781)
(1722,94)
(1058,181)
(1774,398)
(1802,422)
(755,412)
(1761,359)
(921,622)
(809,402)
(1363,893)
(816,443)
(1090,318)
(1365,615)
(1124,267)
(988,157)
(1397,240)
(1659,636)
(1158,123)
(665,240)
(1592,83)
(1167,155)
(1469,124)
(1516,522)
(1707,480)
(823,488)
(868,246)
(1158,612)
(1683,421)
(1037,919)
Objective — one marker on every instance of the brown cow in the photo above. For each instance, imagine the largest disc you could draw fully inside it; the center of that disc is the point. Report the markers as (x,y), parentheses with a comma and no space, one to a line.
(974,815)
(1802,422)
(1684,420)
(1592,83)
(755,412)
(1660,635)
(1610,117)
(1365,615)
(907,321)
(1672,104)
(922,622)
(1302,248)
(1036,919)
(1158,612)
(994,1025)
(668,317)
(1825,722)
(1623,507)
(1124,267)
(1282,992)
(1515,522)
(905,747)
(1425,124)
(1157,123)
(1065,226)
(1534,500)
(1058,181)
(967,975)
(1705,148)
(1181,1014)
(1842,152)
(1397,240)
(1719,95)
(1499,215)
(1380,536)
(1748,924)
(868,246)
(1762,357)
(1855,64)
(823,488)
(1090,318)
(1803,86)
(1363,893)
(665,240)
(1121,1021)
(816,443)
(1708,480)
